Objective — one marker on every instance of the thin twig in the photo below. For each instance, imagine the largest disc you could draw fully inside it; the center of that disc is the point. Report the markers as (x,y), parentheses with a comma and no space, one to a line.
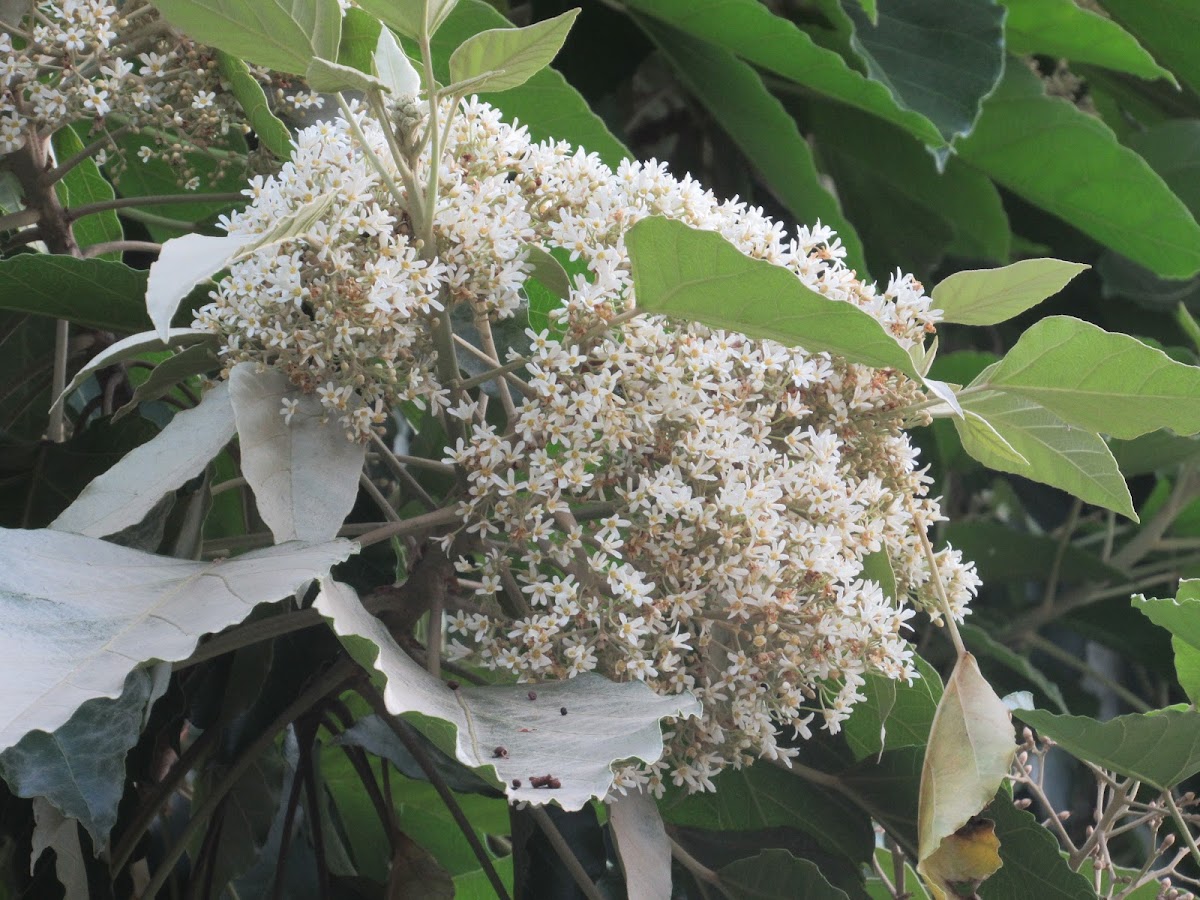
(935,575)
(121,247)
(55,175)
(1187,835)
(1060,552)
(698,870)
(19,219)
(565,853)
(427,765)
(415,525)
(56,430)
(1051,649)
(76,213)
(402,473)
(381,501)
(323,685)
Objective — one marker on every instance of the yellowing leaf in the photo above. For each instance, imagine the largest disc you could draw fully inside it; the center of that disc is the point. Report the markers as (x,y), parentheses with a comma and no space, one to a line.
(964,860)
(970,750)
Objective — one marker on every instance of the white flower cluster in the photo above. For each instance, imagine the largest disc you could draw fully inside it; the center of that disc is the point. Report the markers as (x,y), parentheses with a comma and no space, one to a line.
(671,503)
(117,66)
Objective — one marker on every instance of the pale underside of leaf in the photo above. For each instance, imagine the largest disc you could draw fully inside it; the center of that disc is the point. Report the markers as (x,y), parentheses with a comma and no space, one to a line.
(305,473)
(125,493)
(53,831)
(642,845)
(989,296)
(606,722)
(971,748)
(79,614)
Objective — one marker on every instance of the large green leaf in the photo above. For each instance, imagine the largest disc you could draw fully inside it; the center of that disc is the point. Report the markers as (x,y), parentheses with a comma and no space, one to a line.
(271,132)
(1167,28)
(26,367)
(1033,865)
(546,104)
(1098,380)
(79,614)
(80,767)
(1071,459)
(910,214)
(765,796)
(280,34)
(84,185)
(982,644)
(1002,553)
(698,275)
(1062,28)
(895,714)
(1161,748)
(505,58)
(990,296)
(1153,452)
(939,58)
(411,18)
(1069,163)
(95,293)
(1180,616)
(756,121)
(777,875)
(606,722)
(749,29)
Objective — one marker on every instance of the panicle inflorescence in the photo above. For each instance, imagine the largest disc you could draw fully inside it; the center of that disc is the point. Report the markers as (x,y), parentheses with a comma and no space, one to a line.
(669,503)
(118,66)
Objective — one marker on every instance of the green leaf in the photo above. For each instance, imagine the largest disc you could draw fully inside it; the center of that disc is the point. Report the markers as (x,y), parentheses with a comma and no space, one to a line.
(548,271)
(1168,29)
(26,372)
(1064,29)
(1071,459)
(330,78)
(546,104)
(939,58)
(991,296)
(983,644)
(196,360)
(698,275)
(1104,382)
(411,17)
(1055,156)
(971,748)
(763,796)
(39,479)
(1187,668)
(777,875)
(607,722)
(84,185)
(155,177)
(1161,748)
(80,767)
(877,567)
(1153,452)
(909,213)
(271,132)
(757,122)
(95,293)
(373,735)
(1002,553)
(771,42)
(1033,865)
(988,441)
(504,58)
(895,714)
(283,35)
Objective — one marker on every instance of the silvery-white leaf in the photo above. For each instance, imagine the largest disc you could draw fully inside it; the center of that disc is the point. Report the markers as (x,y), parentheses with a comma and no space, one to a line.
(78,614)
(393,66)
(304,474)
(135,344)
(182,264)
(124,494)
(642,845)
(186,261)
(53,831)
(521,735)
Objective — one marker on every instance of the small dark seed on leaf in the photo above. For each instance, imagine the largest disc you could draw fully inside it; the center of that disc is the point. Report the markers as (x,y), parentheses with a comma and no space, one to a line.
(533,695)
(453,685)
(500,753)
(516,783)
(562,711)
